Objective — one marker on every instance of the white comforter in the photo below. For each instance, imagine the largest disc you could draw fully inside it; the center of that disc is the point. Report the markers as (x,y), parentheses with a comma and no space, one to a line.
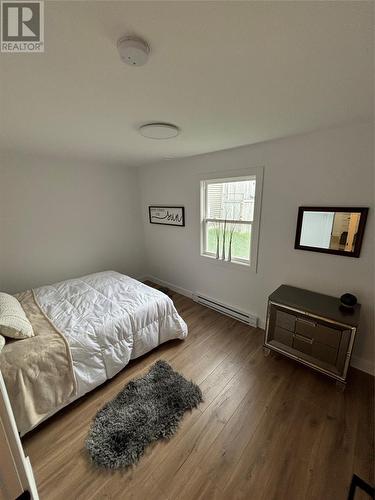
(108,319)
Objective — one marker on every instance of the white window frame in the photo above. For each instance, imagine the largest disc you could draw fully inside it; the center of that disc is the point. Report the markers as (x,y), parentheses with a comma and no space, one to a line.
(233,176)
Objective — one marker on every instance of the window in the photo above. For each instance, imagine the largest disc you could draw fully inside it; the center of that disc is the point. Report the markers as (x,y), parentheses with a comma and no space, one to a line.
(228,219)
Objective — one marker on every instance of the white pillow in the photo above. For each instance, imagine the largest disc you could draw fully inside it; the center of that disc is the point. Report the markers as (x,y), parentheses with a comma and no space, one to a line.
(2,342)
(13,320)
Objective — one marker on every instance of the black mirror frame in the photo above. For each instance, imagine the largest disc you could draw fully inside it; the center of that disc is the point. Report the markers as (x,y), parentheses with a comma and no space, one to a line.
(361,229)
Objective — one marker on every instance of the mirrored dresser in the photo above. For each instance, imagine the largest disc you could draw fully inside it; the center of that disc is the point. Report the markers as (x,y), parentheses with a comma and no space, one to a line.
(312,329)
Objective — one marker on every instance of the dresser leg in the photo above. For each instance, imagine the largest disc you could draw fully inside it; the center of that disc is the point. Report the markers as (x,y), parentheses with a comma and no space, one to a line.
(266,351)
(340,386)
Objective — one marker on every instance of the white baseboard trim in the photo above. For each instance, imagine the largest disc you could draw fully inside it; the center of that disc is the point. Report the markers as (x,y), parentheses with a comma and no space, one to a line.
(141,278)
(364,365)
(171,286)
(262,324)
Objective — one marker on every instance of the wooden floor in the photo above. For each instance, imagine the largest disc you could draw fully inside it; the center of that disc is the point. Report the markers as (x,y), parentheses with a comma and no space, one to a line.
(268,428)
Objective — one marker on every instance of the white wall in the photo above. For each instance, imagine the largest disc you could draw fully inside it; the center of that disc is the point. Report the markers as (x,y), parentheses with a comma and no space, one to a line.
(62,219)
(331,167)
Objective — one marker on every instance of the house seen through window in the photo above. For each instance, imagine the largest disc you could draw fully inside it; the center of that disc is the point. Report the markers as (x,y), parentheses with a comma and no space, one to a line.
(227,218)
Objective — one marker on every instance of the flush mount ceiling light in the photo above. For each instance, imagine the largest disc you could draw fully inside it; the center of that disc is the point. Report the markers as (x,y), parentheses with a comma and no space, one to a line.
(159,130)
(133,50)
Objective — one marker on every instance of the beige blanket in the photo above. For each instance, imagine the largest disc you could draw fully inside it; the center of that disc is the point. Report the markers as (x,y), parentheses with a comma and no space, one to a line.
(37,371)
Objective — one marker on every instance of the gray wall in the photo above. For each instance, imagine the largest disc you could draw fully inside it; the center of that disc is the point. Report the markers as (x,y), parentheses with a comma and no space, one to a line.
(331,167)
(62,219)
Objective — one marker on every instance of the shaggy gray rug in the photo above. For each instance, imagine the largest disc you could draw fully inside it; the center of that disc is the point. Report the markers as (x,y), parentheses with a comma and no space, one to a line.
(147,409)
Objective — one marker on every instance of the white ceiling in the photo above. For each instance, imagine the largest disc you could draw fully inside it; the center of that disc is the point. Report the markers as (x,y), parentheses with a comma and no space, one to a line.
(227,73)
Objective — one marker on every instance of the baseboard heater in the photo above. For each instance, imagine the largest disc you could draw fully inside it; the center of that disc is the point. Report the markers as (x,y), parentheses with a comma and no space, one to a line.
(245,317)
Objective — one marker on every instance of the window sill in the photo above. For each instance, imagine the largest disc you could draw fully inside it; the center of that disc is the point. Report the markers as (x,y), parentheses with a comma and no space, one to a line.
(240,265)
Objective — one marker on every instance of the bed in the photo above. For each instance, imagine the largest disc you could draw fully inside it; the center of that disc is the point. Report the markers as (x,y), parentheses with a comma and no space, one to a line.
(85,331)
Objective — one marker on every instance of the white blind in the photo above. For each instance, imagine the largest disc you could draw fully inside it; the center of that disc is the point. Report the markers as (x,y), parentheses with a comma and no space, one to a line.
(232,200)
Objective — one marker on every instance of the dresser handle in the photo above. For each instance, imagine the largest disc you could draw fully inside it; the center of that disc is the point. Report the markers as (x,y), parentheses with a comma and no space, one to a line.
(303,339)
(311,323)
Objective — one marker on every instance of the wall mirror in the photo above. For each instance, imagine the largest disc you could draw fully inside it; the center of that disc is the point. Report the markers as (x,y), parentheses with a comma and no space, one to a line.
(335,230)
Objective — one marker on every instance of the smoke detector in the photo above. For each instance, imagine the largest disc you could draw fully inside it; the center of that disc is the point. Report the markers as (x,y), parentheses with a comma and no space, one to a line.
(159,130)
(133,50)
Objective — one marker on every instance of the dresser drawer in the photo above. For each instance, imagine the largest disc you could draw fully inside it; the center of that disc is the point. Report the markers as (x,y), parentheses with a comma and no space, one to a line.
(283,336)
(325,353)
(320,352)
(318,332)
(285,320)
